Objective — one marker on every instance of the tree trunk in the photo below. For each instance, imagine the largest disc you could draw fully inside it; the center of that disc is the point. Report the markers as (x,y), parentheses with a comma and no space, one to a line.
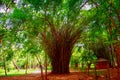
(45,66)
(4,65)
(117,52)
(76,64)
(16,67)
(60,66)
(26,65)
(41,68)
(60,61)
(5,69)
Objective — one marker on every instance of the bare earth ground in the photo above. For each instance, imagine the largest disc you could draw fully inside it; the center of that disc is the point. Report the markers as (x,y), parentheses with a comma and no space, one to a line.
(36,76)
(72,76)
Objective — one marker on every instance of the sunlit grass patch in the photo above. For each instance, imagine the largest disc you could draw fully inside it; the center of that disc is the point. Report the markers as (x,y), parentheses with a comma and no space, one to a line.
(16,72)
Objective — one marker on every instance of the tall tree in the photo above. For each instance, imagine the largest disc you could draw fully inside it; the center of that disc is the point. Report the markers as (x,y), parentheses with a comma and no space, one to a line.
(107,18)
(62,29)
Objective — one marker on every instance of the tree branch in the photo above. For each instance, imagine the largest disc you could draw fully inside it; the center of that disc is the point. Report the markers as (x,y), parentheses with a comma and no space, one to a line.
(84,4)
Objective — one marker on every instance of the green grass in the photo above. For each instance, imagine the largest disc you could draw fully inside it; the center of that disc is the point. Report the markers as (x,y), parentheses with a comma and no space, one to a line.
(15,72)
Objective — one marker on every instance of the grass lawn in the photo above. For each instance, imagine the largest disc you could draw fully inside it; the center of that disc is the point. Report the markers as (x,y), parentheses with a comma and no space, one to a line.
(16,72)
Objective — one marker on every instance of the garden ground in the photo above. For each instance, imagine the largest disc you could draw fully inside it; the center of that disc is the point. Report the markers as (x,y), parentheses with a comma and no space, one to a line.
(74,75)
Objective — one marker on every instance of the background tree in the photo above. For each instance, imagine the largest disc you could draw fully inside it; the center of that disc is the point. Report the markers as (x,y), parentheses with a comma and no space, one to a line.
(109,20)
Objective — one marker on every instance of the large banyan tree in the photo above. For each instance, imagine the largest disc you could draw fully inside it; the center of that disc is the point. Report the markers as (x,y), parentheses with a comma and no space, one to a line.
(60,39)
(63,25)
(62,31)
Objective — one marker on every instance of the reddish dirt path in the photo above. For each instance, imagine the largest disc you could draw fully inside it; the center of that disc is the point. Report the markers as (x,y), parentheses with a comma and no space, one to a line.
(111,74)
(72,76)
(22,77)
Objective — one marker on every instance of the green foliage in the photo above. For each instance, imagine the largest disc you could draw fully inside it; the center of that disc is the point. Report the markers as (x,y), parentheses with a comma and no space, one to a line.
(76,56)
(10,54)
(21,14)
(37,4)
(8,3)
(88,56)
(36,19)
(0,2)
(1,63)
(73,4)
(1,70)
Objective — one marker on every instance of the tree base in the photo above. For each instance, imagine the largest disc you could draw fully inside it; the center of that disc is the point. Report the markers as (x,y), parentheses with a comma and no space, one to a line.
(60,72)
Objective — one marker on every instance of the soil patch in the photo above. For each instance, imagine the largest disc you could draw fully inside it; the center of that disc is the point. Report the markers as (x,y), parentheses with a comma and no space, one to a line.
(114,75)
